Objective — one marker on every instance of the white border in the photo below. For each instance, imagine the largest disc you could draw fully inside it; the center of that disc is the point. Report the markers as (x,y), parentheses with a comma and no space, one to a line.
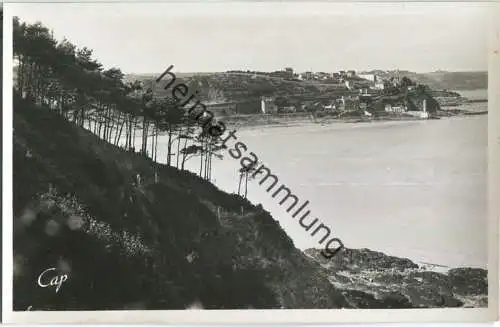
(494,159)
(7,216)
(260,316)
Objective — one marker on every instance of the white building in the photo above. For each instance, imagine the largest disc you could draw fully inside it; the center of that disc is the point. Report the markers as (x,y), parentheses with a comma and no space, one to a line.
(379,85)
(391,108)
(267,105)
(370,77)
(331,106)
(421,114)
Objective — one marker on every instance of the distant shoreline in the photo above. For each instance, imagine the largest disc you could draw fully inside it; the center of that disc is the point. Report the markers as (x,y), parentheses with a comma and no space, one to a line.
(250,121)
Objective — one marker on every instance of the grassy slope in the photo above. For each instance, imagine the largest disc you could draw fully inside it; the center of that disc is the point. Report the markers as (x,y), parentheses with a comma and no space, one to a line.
(155,246)
(221,87)
(163,246)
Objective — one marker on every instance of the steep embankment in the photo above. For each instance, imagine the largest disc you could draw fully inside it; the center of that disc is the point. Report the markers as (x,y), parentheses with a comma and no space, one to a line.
(365,276)
(180,242)
(123,244)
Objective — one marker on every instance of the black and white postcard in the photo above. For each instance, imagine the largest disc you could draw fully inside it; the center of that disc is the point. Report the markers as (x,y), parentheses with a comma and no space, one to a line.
(257,162)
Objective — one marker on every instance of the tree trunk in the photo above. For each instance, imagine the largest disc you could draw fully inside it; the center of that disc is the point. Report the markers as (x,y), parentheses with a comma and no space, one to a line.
(156,158)
(111,123)
(99,130)
(246,184)
(134,128)
(156,145)
(209,177)
(105,121)
(239,183)
(184,155)
(119,134)
(145,126)
(178,151)
(82,117)
(169,146)
(201,158)
(129,147)
(127,123)
(153,138)
(207,154)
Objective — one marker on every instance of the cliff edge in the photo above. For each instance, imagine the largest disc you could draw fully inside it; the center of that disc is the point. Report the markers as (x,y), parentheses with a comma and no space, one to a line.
(95,213)
(124,244)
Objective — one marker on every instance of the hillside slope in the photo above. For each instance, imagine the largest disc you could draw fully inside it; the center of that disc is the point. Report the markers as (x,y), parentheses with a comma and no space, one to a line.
(179,243)
(221,87)
(166,245)
(457,80)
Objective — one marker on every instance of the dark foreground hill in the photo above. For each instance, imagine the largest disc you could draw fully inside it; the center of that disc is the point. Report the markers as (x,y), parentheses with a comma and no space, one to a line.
(161,245)
(178,243)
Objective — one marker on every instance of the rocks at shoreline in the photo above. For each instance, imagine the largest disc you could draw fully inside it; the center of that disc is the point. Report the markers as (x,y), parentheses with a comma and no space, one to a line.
(451,101)
(469,281)
(370,279)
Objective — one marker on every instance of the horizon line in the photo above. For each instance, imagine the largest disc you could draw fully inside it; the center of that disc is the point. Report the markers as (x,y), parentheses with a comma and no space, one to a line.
(360,70)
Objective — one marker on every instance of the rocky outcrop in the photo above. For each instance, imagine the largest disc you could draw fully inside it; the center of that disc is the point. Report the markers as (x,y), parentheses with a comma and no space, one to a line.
(448,101)
(371,279)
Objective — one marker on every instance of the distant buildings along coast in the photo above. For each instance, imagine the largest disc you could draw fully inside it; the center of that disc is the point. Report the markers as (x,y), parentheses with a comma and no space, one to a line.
(366,93)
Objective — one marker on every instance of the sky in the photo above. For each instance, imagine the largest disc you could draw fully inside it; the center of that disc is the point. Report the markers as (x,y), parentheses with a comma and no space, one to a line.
(220,36)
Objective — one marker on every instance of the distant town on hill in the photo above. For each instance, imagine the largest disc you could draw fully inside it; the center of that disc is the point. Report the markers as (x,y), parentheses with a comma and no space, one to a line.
(343,93)
(438,80)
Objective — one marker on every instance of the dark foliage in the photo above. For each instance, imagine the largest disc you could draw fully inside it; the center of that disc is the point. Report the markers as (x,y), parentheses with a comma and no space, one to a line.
(149,246)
